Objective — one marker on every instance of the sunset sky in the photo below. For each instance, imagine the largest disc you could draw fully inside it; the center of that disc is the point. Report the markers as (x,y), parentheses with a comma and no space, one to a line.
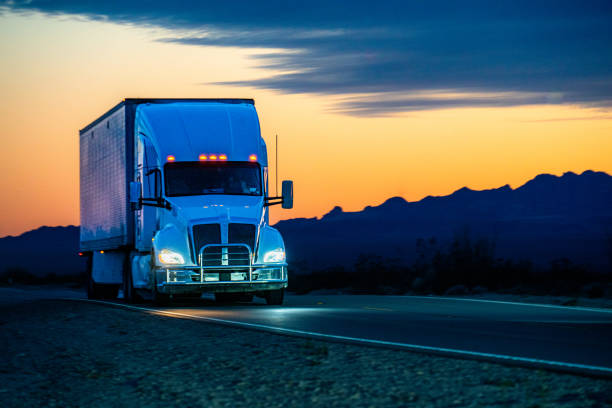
(370,99)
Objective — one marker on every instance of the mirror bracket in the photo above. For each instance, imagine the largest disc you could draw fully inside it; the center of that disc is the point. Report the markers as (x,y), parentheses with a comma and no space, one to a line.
(286,199)
(268,201)
(156,202)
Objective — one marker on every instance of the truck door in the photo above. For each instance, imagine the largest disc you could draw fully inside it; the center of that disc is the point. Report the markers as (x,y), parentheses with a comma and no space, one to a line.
(147,217)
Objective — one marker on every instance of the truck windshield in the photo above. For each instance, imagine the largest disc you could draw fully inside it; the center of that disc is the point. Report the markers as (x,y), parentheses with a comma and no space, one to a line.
(197,178)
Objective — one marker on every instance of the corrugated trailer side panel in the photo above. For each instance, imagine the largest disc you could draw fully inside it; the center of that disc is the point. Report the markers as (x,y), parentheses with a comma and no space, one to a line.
(106,155)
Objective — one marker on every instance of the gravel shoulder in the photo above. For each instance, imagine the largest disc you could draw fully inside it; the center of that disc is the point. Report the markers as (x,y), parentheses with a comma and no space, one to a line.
(73,354)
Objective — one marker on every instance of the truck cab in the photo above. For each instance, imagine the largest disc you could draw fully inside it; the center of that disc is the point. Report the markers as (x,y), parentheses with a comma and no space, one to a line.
(198,205)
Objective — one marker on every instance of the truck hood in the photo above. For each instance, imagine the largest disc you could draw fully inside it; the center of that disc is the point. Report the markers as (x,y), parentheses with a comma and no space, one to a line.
(217,208)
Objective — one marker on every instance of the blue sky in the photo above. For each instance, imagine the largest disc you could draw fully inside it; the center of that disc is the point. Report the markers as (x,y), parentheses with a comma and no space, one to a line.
(396,56)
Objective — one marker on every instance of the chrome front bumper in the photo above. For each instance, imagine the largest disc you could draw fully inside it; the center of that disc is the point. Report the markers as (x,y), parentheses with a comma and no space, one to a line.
(221,278)
(191,280)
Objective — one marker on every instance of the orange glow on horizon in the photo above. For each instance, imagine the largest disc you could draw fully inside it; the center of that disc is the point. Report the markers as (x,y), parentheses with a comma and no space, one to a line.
(222,157)
(170,158)
(48,65)
(202,157)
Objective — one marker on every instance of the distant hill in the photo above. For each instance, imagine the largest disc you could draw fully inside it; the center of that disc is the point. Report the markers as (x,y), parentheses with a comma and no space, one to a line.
(547,218)
(43,251)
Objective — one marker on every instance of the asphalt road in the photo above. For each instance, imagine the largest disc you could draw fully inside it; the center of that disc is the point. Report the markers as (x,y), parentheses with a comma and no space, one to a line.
(530,334)
(574,336)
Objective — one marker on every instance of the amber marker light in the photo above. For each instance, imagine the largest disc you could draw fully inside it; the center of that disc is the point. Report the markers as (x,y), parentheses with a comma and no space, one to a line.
(252,158)
(202,157)
(222,157)
(170,158)
(212,157)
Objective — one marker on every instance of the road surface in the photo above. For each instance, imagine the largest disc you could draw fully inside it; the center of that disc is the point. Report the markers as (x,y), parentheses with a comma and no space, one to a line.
(558,337)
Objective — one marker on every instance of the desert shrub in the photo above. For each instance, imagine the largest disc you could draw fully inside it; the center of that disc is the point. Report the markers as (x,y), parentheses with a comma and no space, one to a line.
(17,275)
(22,276)
(336,277)
(464,265)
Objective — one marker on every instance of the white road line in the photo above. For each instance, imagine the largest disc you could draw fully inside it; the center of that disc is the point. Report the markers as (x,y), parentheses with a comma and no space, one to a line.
(407,346)
(505,302)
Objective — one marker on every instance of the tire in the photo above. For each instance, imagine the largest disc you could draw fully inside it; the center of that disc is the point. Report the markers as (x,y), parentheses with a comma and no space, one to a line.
(129,293)
(99,290)
(275,297)
(94,290)
(110,291)
(159,299)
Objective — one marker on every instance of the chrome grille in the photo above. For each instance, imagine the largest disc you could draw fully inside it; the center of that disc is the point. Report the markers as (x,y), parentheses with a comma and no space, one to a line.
(241,234)
(205,234)
(225,256)
(232,253)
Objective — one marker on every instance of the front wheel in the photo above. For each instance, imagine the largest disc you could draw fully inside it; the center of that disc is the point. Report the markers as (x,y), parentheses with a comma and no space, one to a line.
(160,299)
(275,297)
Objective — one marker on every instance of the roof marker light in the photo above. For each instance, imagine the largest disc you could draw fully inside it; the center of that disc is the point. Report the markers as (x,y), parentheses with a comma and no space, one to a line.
(202,157)
(212,157)
(170,158)
(222,157)
(252,158)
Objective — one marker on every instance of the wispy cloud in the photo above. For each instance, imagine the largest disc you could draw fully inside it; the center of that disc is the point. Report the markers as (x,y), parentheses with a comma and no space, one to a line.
(397,54)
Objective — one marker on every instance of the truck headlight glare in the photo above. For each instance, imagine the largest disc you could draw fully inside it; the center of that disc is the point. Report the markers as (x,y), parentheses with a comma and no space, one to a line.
(169,257)
(276,255)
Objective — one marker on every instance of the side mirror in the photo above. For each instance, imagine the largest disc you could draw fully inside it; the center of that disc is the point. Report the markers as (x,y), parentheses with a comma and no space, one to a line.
(287,194)
(135,195)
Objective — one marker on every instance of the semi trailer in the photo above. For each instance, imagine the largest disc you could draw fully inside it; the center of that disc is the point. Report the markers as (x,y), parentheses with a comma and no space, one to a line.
(174,200)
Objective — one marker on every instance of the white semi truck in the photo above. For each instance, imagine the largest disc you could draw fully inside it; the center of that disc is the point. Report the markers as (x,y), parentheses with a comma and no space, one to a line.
(174,200)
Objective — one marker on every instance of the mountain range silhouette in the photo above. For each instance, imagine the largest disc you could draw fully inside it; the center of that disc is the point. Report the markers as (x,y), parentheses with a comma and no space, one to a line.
(548,218)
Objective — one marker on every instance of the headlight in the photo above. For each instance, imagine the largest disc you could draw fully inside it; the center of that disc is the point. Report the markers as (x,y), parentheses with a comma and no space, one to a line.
(169,257)
(276,255)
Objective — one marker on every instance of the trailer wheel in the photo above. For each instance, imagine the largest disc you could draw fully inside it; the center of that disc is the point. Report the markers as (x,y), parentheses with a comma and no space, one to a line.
(275,297)
(129,293)
(94,290)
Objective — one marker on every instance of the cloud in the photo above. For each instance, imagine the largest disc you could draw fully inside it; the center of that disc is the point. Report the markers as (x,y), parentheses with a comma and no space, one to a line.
(395,55)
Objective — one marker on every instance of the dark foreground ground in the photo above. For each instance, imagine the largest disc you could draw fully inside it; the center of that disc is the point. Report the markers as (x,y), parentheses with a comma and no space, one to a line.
(71,354)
